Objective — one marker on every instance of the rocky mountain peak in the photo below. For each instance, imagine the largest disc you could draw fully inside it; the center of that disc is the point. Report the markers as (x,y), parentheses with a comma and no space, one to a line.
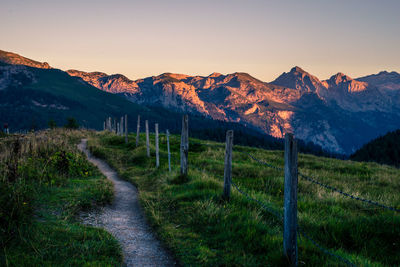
(298,69)
(299,79)
(215,75)
(343,82)
(384,79)
(176,76)
(340,78)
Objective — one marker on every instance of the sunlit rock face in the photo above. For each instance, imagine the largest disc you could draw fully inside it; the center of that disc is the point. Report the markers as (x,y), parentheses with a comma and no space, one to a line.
(301,80)
(339,114)
(11,58)
(109,83)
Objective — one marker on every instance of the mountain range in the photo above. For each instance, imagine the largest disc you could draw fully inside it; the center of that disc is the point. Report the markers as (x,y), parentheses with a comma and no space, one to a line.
(339,114)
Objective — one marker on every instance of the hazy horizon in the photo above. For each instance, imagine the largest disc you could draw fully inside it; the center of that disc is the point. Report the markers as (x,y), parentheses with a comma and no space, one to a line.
(263,38)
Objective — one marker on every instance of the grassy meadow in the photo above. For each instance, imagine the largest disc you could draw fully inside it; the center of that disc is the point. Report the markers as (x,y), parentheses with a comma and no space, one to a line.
(44,184)
(201,229)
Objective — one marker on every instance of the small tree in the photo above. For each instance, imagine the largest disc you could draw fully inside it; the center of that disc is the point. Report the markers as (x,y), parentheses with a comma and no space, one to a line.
(52,124)
(71,123)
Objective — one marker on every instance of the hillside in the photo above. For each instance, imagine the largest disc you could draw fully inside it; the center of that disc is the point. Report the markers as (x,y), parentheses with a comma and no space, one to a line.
(384,150)
(339,114)
(201,229)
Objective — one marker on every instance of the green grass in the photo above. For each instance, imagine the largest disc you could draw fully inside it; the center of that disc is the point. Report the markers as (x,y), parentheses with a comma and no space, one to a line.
(58,187)
(201,229)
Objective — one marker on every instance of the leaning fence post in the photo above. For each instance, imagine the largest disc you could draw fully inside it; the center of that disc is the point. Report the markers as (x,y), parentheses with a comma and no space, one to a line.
(157,148)
(147,138)
(126,128)
(137,130)
(184,145)
(228,165)
(169,152)
(290,201)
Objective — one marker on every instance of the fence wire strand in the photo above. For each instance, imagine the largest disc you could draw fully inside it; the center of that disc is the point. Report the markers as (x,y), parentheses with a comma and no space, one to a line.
(371,202)
(270,210)
(312,180)
(262,162)
(324,250)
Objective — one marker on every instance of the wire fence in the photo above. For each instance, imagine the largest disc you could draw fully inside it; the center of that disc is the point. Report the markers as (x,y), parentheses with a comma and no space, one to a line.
(279,216)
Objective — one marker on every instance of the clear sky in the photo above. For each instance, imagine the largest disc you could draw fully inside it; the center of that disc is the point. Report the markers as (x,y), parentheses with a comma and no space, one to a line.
(261,37)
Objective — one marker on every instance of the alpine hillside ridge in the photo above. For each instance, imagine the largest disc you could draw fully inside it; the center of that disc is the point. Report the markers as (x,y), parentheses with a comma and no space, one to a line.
(15,59)
(340,113)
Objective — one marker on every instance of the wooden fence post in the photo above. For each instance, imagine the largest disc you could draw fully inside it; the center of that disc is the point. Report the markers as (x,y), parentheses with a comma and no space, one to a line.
(118,129)
(169,152)
(137,130)
(109,124)
(157,148)
(228,165)
(115,126)
(290,201)
(126,128)
(121,126)
(147,138)
(104,125)
(184,145)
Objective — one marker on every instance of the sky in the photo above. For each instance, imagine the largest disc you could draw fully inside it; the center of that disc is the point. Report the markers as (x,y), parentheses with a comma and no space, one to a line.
(261,37)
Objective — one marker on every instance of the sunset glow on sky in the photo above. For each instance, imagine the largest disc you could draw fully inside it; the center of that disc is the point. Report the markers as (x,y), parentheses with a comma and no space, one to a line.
(263,38)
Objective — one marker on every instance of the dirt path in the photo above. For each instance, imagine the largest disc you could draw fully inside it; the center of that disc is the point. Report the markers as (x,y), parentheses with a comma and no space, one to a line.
(125,220)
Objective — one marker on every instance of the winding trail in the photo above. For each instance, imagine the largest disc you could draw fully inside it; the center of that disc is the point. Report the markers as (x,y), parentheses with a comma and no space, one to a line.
(125,220)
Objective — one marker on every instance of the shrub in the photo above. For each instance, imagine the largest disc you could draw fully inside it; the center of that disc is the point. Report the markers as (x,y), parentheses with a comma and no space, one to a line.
(71,123)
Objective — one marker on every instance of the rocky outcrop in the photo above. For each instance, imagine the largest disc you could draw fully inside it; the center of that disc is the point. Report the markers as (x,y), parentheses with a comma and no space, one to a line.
(116,83)
(15,76)
(15,59)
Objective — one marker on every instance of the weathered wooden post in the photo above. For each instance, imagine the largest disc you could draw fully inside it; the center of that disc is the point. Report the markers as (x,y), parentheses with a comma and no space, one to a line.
(121,126)
(137,130)
(290,201)
(104,125)
(126,128)
(117,129)
(157,148)
(147,138)
(115,126)
(228,165)
(169,152)
(109,124)
(184,145)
